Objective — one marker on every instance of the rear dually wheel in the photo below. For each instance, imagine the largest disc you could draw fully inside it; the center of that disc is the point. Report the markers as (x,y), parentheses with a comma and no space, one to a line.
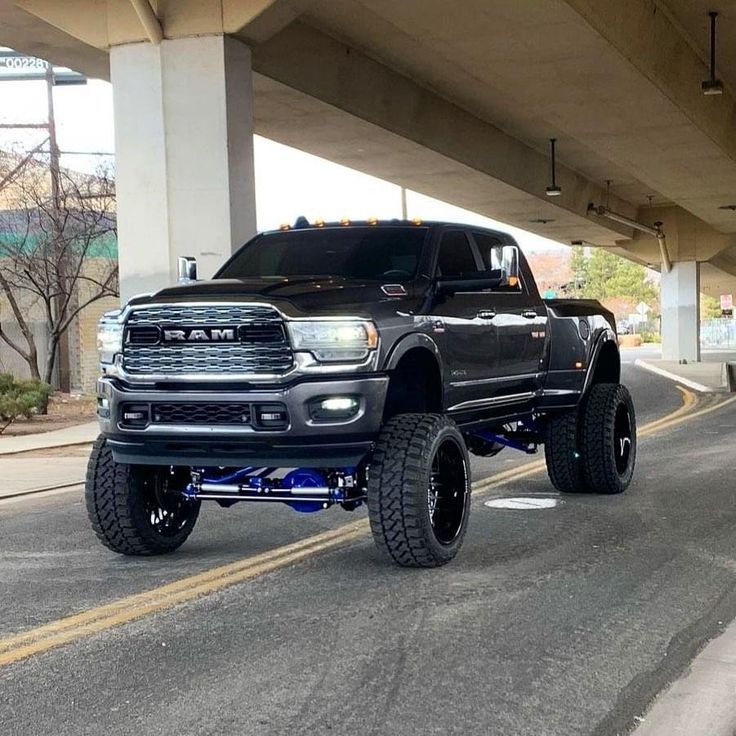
(592,449)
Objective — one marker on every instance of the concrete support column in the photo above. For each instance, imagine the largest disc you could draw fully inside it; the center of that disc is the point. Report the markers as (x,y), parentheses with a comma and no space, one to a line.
(681,312)
(184,151)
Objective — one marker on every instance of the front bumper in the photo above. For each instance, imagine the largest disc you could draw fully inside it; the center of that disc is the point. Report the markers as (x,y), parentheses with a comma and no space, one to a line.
(303,442)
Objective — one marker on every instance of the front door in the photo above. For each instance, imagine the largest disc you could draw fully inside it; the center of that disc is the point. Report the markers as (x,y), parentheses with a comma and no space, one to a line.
(462,327)
(520,321)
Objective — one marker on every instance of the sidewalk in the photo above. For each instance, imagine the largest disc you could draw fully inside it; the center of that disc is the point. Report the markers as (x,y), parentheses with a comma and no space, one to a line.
(703,701)
(20,475)
(77,435)
(703,377)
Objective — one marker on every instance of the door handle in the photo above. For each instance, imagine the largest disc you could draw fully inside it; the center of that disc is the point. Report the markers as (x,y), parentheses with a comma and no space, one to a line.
(486,314)
(529,314)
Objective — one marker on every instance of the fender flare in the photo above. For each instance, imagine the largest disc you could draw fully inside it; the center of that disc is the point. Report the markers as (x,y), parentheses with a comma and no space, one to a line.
(605,337)
(409,342)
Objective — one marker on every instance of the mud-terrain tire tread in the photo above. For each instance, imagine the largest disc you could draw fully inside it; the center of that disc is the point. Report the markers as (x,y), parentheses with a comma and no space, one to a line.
(397,491)
(562,454)
(115,509)
(597,438)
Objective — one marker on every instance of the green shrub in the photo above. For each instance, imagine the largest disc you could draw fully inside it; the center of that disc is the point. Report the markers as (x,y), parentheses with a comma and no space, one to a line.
(21,398)
(654,337)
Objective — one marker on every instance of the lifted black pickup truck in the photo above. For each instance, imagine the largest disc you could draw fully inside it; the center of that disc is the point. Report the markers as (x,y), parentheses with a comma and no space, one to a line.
(350,363)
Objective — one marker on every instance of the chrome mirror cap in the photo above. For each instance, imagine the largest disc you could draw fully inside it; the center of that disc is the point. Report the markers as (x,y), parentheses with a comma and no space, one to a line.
(186,268)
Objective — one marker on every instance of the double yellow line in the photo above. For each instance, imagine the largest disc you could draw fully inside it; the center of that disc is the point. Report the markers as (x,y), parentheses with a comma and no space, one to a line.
(62,631)
(65,630)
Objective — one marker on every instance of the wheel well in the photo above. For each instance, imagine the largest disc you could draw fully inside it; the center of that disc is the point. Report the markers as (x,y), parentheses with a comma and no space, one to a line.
(415,385)
(608,366)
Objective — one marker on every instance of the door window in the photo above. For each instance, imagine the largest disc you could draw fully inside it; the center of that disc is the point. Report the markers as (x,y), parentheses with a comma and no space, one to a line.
(456,255)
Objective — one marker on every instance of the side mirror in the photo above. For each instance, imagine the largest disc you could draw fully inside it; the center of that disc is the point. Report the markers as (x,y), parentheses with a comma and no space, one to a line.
(510,264)
(472,281)
(186,267)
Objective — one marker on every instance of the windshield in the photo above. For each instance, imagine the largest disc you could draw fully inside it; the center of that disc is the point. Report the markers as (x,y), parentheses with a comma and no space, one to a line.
(374,253)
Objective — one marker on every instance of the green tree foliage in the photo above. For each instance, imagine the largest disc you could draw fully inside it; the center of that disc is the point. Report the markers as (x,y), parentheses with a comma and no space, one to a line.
(21,398)
(710,307)
(607,275)
(579,268)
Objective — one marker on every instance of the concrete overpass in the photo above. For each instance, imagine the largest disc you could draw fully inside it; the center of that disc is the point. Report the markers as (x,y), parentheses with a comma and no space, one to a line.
(457,101)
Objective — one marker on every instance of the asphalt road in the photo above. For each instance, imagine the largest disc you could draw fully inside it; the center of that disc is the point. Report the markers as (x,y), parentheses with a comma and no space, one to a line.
(560,621)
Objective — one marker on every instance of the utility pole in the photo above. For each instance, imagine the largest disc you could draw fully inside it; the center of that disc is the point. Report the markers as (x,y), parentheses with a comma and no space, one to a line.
(54,156)
(15,66)
(404,215)
(62,349)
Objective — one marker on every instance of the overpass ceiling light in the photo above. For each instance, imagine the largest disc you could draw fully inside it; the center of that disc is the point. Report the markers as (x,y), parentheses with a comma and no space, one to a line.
(553,190)
(712,86)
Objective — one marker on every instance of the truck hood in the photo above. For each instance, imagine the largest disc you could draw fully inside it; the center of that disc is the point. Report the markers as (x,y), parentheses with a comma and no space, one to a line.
(308,294)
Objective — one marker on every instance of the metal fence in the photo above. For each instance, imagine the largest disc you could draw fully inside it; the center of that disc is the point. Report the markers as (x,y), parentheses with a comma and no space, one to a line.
(719,334)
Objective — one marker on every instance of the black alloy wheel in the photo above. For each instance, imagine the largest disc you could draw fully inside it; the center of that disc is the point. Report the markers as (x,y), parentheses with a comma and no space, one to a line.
(418,490)
(446,494)
(137,509)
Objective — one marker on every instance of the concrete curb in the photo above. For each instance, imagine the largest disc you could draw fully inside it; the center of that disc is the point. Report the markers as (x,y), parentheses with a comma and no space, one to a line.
(703,701)
(78,434)
(674,377)
(45,489)
(12,453)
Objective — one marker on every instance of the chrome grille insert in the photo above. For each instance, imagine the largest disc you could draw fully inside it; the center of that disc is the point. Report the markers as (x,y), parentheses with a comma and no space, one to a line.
(263,349)
(191,316)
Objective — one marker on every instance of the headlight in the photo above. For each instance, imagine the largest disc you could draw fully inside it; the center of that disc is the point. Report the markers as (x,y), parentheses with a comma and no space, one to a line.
(334,341)
(109,337)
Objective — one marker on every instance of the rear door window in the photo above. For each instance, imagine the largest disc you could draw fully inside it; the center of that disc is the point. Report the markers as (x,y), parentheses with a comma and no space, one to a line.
(456,255)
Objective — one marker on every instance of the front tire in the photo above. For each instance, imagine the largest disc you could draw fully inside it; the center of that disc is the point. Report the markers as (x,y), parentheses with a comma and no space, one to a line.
(136,509)
(419,490)
(593,448)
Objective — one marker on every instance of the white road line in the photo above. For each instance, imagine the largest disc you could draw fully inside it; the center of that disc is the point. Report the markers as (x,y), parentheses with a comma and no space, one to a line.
(673,377)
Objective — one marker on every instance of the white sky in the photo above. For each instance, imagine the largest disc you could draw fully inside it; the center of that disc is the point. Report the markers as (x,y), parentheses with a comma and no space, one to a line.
(289,182)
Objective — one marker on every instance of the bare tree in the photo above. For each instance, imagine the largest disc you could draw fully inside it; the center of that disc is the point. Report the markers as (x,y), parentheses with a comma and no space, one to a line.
(57,250)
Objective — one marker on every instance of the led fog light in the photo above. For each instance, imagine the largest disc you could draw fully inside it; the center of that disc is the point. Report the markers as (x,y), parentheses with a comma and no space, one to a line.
(331,408)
